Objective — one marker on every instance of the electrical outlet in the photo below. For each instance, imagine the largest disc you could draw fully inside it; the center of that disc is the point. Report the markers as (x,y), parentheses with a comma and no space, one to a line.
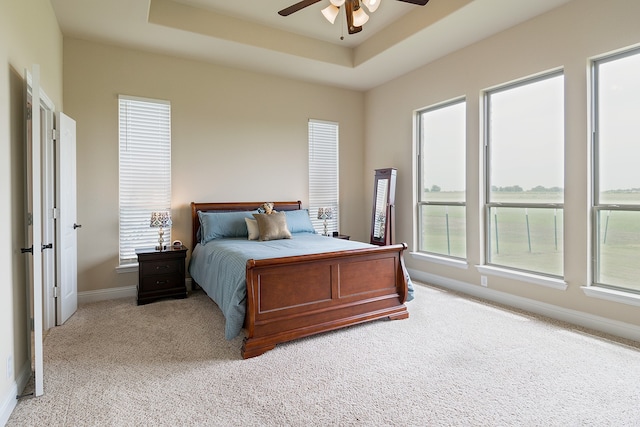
(483,280)
(9,367)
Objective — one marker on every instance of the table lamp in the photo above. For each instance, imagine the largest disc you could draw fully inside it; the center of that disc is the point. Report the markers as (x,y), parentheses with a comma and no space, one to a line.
(325,214)
(160,219)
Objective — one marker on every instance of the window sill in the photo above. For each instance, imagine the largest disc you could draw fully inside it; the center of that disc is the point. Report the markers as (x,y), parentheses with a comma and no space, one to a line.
(535,279)
(611,295)
(451,262)
(127,268)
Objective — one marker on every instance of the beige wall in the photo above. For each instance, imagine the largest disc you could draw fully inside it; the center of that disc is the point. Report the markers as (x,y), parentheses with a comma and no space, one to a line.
(564,38)
(29,34)
(236,136)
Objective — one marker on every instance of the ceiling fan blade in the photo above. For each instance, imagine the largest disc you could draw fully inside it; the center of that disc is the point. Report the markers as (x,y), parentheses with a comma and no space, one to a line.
(296,7)
(416,2)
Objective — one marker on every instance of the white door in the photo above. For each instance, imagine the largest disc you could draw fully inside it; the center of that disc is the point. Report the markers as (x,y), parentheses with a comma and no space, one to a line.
(67,227)
(34,221)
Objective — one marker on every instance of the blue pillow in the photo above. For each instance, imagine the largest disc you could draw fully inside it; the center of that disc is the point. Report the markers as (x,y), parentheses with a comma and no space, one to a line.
(299,221)
(218,225)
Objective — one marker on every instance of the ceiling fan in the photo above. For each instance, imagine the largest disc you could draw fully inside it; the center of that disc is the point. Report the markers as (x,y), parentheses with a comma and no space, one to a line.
(356,17)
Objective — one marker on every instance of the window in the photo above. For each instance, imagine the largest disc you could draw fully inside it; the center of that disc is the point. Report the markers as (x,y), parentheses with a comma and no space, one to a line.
(323,173)
(145,171)
(441,180)
(524,124)
(616,175)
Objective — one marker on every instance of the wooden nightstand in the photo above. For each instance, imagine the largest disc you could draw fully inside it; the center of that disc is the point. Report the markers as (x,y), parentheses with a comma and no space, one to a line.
(161,273)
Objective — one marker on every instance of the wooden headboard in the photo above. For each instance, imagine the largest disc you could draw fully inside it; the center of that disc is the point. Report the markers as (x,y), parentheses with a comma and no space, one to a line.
(230,207)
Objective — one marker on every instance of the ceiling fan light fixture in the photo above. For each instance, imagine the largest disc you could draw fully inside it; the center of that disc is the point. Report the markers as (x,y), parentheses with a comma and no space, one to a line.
(354,10)
(359,17)
(331,12)
(372,5)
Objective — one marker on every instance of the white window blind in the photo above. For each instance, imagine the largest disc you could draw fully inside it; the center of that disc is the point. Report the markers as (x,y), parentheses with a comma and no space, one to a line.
(145,171)
(323,173)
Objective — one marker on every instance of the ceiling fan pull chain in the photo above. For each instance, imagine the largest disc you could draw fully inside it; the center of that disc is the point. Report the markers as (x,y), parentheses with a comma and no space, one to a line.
(344,22)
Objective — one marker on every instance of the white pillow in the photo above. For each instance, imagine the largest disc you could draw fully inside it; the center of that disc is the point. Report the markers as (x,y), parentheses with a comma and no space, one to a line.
(252,228)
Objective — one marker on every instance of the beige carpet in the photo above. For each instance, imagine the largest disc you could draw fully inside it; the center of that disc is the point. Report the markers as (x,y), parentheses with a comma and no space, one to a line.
(455,361)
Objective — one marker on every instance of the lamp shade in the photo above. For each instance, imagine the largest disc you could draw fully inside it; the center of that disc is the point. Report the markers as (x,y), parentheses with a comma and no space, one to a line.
(160,219)
(359,17)
(331,12)
(372,5)
(325,213)
(337,3)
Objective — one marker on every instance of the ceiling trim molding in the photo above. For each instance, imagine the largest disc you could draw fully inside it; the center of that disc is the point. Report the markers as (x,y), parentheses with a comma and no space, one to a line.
(180,16)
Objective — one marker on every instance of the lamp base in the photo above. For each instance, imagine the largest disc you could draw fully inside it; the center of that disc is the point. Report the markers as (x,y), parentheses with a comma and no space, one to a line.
(160,245)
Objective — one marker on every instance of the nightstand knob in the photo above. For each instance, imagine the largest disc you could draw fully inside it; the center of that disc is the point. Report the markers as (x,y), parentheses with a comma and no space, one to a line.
(161,282)
(162,267)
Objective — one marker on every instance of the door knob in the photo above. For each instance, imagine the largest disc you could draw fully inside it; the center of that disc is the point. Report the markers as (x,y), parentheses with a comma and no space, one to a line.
(77,226)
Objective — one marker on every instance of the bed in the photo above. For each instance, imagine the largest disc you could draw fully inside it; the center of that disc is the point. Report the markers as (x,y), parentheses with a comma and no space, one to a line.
(283,289)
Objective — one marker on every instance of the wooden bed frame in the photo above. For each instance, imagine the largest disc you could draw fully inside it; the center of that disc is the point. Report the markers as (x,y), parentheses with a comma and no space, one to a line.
(332,290)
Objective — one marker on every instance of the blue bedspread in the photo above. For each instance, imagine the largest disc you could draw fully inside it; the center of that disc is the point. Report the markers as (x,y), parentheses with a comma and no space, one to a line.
(219,267)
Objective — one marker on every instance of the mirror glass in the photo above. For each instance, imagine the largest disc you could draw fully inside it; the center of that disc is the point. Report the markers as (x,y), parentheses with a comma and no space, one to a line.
(380,209)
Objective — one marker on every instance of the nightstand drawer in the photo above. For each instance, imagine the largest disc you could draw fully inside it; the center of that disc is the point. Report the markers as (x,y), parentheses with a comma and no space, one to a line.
(156,283)
(161,267)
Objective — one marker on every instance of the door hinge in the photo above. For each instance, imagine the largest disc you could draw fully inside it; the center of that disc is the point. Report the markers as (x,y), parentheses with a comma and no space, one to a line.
(55,292)
(29,218)
(31,323)
(54,213)
(55,134)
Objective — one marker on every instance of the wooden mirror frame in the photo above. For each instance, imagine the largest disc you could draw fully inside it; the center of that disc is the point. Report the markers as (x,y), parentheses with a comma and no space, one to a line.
(382,216)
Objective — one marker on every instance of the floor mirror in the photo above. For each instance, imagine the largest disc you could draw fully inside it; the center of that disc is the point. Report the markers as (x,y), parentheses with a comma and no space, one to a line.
(382,219)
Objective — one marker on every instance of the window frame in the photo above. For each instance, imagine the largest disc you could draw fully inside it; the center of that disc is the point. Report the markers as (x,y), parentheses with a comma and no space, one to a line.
(421,203)
(488,203)
(597,207)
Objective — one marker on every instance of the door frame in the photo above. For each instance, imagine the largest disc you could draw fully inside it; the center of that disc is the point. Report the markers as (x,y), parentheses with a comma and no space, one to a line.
(48,170)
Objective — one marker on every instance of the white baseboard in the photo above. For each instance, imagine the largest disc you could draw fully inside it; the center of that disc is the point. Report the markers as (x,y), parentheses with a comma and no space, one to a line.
(113,293)
(598,323)
(9,403)
(107,294)
(10,400)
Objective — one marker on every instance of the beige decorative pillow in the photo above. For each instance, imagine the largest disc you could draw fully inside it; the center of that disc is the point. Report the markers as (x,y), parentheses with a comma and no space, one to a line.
(252,228)
(273,226)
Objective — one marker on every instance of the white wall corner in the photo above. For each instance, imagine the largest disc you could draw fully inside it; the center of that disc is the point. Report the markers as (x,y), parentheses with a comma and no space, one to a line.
(598,323)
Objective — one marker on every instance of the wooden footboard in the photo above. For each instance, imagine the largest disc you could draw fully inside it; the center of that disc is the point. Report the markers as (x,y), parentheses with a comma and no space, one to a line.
(293,297)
